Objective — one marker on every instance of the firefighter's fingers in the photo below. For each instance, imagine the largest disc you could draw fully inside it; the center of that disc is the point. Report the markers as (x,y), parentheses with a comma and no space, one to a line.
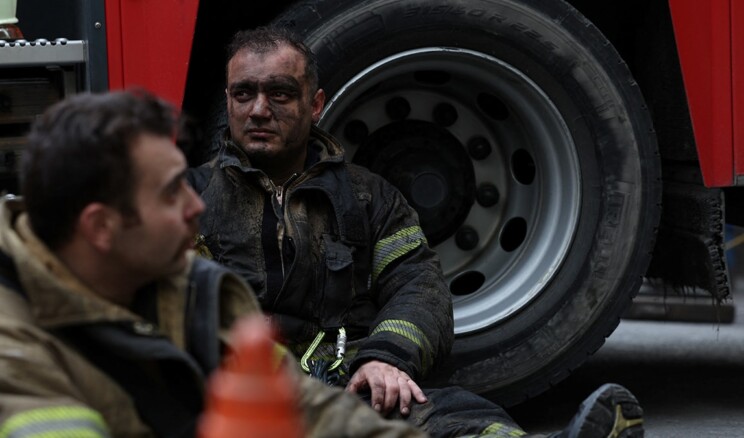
(368,376)
(391,390)
(376,384)
(356,383)
(405,395)
(408,390)
(382,380)
(416,391)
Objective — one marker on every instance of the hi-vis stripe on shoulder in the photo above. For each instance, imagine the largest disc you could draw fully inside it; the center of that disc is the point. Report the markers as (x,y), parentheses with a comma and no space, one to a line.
(397,245)
(412,333)
(55,422)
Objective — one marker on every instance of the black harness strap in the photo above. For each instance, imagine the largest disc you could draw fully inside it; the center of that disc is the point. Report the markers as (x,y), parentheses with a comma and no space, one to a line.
(202,313)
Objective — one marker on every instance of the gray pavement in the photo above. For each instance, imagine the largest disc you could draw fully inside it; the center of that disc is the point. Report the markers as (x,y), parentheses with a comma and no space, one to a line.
(689,377)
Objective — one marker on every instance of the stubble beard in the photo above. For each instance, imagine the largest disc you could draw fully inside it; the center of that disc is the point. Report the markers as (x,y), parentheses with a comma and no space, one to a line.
(273,158)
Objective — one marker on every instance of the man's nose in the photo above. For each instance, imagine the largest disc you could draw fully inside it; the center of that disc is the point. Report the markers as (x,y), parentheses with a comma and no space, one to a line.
(260,107)
(195,206)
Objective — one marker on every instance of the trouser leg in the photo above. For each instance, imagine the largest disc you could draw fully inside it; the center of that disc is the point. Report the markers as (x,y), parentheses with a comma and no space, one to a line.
(455,412)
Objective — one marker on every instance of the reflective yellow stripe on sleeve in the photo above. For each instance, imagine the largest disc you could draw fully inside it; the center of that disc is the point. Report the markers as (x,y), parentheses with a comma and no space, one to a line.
(412,333)
(392,247)
(55,422)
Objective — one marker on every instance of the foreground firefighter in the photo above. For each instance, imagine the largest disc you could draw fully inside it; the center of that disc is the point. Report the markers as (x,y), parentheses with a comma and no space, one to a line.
(335,254)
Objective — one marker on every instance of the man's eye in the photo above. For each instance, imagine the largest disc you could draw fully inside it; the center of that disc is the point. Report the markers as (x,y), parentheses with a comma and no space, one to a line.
(280,95)
(241,96)
(173,190)
(171,194)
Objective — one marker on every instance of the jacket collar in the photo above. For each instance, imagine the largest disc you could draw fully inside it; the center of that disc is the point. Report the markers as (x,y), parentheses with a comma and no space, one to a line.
(56,297)
(328,151)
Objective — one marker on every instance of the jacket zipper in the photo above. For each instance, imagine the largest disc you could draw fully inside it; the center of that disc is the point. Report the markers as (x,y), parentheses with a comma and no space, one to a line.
(280,195)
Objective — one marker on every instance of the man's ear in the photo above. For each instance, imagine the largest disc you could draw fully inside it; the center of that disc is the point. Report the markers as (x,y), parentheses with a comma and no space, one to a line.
(318,104)
(97,224)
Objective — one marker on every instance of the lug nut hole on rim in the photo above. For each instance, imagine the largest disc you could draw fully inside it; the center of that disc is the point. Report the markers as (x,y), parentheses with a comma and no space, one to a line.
(467,283)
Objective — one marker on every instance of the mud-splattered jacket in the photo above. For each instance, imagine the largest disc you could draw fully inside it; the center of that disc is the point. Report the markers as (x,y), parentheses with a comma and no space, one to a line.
(352,255)
(73,364)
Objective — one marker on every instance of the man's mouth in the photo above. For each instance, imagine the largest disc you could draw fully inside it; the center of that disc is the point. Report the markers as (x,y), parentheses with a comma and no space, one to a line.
(260,133)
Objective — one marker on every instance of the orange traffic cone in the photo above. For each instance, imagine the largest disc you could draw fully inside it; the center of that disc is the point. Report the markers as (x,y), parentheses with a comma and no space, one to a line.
(250,396)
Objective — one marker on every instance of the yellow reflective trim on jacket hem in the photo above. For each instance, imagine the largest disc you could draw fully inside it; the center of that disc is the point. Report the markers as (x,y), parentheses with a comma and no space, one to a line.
(55,422)
(397,245)
(499,430)
(409,331)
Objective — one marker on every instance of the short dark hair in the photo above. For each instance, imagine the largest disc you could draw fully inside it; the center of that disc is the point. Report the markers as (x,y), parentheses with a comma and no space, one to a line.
(266,39)
(78,152)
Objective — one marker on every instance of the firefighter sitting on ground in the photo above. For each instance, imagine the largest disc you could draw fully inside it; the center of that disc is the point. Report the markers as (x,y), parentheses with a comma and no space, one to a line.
(335,254)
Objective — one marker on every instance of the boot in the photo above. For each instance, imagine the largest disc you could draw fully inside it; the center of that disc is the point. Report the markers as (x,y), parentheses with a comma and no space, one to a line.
(611,411)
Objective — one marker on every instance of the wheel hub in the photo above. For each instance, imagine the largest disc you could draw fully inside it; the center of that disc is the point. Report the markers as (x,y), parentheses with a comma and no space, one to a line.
(431,169)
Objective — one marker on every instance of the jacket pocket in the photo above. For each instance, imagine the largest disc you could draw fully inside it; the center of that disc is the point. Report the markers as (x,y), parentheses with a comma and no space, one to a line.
(338,287)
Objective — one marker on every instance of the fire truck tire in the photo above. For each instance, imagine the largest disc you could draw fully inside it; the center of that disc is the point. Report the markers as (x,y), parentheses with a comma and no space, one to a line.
(518,133)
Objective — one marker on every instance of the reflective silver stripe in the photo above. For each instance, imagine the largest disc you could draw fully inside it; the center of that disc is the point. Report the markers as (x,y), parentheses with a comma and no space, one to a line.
(411,332)
(55,422)
(392,247)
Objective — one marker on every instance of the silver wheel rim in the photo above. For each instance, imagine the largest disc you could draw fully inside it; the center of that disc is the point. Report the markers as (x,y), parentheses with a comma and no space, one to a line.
(522,239)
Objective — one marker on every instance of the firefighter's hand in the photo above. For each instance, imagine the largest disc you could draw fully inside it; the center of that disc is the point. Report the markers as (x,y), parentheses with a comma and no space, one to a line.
(388,385)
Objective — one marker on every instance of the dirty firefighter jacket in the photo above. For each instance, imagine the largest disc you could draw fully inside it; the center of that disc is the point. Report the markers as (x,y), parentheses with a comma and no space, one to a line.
(352,254)
(72,364)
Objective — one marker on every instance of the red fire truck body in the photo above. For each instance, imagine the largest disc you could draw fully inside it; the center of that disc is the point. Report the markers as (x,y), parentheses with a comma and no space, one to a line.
(159,34)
